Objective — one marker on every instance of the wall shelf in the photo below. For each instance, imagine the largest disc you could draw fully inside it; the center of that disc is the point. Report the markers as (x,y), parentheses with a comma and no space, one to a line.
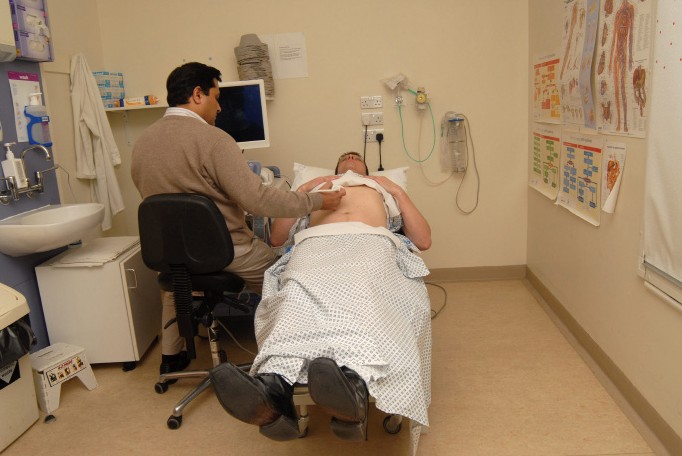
(126,122)
(131,108)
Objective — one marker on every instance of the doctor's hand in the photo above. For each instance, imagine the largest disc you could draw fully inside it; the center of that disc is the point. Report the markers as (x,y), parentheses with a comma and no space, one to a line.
(331,200)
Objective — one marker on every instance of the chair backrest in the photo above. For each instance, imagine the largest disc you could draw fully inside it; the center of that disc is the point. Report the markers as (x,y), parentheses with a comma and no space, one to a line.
(183,229)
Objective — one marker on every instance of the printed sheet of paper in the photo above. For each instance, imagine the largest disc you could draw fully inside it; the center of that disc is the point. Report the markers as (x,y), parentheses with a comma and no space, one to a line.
(614,165)
(580,32)
(546,99)
(544,172)
(21,84)
(581,169)
(623,71)
(288,55)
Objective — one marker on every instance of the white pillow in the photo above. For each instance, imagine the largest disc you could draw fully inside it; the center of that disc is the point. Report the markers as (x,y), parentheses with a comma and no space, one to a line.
(304,173)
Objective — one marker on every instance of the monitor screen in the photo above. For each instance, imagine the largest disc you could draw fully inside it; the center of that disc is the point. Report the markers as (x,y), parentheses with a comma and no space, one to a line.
(243,113)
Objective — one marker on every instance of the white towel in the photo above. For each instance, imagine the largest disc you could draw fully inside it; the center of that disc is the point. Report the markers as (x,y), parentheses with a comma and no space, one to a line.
(97,252)
(352,179)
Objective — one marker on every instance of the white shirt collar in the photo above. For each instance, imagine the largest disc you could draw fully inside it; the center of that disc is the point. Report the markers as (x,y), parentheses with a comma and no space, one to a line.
(176,111)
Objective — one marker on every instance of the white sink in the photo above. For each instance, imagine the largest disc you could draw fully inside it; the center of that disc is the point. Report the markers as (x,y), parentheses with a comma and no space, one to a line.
(48,228)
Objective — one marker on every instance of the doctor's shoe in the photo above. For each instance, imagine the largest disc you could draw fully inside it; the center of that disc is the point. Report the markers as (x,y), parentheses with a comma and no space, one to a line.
(173,363)
(342,393)
(265,400)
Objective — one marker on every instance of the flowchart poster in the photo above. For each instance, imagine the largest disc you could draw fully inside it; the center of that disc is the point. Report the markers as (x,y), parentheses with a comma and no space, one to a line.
(581,171)
(546,160)
(546,99)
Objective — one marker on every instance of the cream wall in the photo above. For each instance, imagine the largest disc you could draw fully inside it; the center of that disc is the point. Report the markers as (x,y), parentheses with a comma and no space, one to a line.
(469,55)
(593,271)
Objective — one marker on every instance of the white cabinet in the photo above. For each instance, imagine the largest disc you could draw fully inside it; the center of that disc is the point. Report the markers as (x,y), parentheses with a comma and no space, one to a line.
(113,310)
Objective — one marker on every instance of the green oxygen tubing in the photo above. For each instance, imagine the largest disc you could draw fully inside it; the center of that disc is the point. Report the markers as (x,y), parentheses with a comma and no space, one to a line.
(402,128)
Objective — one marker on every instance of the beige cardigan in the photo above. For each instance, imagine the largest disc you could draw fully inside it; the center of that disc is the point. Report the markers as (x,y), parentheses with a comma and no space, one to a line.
(180,154)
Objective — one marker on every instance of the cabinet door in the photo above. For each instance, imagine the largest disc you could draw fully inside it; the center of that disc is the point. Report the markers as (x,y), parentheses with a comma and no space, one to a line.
(143,302)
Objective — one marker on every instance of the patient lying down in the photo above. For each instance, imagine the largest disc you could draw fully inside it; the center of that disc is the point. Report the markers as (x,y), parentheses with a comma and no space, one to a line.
(344,311)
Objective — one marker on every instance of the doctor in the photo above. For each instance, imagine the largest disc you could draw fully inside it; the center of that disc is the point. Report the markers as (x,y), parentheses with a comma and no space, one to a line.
(184,152)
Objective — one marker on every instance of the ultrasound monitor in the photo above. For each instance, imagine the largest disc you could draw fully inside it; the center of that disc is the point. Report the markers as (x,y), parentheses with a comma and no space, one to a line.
(243,113)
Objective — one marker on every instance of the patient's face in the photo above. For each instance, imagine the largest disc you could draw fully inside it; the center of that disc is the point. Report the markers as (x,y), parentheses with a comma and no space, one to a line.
(351,161)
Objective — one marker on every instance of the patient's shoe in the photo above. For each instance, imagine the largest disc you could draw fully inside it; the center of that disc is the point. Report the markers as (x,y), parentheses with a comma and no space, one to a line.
(342,393)
(265,400)
(173,363)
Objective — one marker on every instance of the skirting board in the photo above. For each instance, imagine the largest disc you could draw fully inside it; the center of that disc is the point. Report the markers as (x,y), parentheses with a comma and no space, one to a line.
(478,273)
(648,414)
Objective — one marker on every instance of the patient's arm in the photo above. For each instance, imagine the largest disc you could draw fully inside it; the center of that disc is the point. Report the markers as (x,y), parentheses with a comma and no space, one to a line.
(415,226)
(279,231)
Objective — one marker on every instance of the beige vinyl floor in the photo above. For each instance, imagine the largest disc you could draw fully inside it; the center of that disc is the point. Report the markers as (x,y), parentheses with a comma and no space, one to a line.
(506,382)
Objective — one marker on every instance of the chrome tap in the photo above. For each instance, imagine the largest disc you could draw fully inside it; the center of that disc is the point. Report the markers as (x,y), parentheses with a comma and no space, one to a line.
(38,187)
(39,176)
(11,191)
(37,147)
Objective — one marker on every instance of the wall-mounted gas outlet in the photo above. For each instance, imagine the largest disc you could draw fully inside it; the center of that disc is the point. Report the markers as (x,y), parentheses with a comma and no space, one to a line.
(372,118)
(371,135)
(371,102)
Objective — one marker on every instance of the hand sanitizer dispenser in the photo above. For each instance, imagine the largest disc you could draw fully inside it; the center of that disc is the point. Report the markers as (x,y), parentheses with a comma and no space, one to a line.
(38,121)
(13,166)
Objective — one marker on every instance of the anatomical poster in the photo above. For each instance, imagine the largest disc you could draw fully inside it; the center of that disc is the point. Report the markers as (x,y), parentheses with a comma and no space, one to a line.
(623,69)
(579,34)
(614,165)
(546,99)
(545,159)
(581,170)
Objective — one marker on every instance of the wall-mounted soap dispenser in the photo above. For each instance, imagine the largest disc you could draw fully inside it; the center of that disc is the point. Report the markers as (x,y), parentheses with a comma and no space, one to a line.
(13,166)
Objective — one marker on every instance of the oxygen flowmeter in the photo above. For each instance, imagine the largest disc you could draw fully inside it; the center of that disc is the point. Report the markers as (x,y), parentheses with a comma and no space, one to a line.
(421,99)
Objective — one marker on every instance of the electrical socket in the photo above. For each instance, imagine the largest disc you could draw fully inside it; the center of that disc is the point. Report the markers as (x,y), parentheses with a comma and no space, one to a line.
(371,135)
(375,101)
(372,118)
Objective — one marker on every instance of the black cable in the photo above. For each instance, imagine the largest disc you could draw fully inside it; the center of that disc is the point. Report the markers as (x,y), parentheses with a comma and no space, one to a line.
(380,137)
(364,150)
(435,313)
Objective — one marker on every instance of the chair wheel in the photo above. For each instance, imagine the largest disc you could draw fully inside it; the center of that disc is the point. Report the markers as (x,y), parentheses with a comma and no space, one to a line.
(128,366)
(161,387)
(392,425)
(174,422)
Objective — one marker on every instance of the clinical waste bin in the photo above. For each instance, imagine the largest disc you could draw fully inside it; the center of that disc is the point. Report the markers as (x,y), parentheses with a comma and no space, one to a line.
(18,405)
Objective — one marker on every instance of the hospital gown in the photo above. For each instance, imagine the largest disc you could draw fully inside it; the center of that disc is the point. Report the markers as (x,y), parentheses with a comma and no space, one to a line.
(353,293)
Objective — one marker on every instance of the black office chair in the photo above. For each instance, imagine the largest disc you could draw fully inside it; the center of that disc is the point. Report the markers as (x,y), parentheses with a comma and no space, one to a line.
(184,237)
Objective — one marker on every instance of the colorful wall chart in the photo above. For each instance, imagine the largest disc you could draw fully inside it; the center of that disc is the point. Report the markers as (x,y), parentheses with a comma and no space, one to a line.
(581,169)
(21,85)
(623,71)
(546,99)
(544,174)
(614,165)
(580,32)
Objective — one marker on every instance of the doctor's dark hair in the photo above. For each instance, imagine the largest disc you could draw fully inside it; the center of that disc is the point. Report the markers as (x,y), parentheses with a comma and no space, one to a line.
(182,81)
